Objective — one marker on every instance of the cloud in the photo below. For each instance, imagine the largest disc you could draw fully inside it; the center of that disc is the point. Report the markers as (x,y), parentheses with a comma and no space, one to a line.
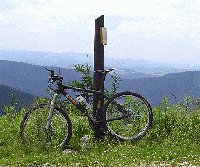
(41,24)
(135,28)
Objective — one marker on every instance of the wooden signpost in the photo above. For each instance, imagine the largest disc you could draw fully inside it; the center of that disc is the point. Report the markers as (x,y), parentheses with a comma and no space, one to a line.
(100,40)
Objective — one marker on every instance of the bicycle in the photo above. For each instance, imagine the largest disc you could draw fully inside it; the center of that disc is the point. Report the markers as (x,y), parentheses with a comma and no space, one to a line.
(128,115)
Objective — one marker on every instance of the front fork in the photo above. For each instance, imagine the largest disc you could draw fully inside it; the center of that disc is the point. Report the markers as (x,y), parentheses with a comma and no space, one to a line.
(51,110)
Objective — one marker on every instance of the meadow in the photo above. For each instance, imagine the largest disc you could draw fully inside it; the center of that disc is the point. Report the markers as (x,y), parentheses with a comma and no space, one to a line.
(173,140)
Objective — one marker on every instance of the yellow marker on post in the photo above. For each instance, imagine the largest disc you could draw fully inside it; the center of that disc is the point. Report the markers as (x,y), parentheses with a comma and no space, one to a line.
(99,104)
(103,36)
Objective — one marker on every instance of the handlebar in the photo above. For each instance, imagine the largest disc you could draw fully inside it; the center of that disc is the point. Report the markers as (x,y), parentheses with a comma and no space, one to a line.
(52,72)
(53,77)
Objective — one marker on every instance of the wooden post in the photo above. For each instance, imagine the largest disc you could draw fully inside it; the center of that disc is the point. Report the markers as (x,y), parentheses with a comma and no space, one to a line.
(98,77)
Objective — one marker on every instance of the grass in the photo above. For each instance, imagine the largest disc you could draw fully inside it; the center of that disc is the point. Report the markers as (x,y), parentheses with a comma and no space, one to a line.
(173,140)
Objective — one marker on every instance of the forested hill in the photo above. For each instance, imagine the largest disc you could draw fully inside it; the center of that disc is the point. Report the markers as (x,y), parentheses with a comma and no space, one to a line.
(175,86)
(9,95)
(33,79)
(29,78)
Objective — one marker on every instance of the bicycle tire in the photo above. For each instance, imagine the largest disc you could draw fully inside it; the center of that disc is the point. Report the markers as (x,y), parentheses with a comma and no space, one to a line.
(34,133)
(135,112)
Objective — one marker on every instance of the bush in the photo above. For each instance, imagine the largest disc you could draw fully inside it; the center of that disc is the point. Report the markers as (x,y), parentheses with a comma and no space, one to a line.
(174,138)
(176,121)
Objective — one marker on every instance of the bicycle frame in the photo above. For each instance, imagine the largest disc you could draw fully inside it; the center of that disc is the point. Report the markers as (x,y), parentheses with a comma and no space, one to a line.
(78,105)
(61,90)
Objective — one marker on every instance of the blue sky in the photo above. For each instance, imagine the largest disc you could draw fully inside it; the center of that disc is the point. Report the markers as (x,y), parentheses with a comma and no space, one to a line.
(154,30)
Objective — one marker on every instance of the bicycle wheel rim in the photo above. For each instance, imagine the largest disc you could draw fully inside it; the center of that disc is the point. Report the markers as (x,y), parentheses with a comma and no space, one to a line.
(34,132)
(136,116)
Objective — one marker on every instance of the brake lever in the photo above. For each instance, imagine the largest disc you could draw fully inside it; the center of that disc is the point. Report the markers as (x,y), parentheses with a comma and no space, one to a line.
(52,72)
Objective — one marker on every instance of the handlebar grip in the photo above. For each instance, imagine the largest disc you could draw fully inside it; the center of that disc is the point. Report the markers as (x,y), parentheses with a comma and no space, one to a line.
(53,77)
(52,71)
(49,69)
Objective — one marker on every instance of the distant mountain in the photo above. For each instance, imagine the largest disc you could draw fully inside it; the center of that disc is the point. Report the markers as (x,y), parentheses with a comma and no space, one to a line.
(64,60)
(29,78)
(126,68)
(33,79)
(175,86)
(20,99)
(131,75)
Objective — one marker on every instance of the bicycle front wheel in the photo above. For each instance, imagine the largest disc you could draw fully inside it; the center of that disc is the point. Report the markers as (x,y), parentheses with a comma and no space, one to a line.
(128,116)
(33,127)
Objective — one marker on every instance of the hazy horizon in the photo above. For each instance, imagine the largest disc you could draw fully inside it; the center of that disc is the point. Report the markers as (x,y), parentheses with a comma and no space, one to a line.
(68,59)
(165,31)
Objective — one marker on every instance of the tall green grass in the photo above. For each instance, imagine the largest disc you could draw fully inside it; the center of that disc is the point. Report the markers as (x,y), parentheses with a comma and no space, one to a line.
(173,140)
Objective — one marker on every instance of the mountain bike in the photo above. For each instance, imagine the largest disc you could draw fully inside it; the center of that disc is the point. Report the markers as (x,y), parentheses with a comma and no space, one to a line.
(128,115)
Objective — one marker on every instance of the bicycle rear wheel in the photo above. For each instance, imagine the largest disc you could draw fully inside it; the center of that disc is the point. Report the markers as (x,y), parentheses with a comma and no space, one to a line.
(33,127)
(128,116)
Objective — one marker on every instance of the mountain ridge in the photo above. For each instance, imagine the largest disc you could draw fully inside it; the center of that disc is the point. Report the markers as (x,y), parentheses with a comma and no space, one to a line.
(33,79)
(10,95)
(67,59)
(174,85)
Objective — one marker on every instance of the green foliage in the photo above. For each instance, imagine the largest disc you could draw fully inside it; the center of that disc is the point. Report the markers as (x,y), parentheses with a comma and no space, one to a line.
(176,121)
(86,79)
(114,82)
(173,139)
(85,82)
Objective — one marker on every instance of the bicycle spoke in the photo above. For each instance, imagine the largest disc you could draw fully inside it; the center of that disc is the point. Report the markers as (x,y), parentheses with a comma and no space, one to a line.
(134,112)
(34,132)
